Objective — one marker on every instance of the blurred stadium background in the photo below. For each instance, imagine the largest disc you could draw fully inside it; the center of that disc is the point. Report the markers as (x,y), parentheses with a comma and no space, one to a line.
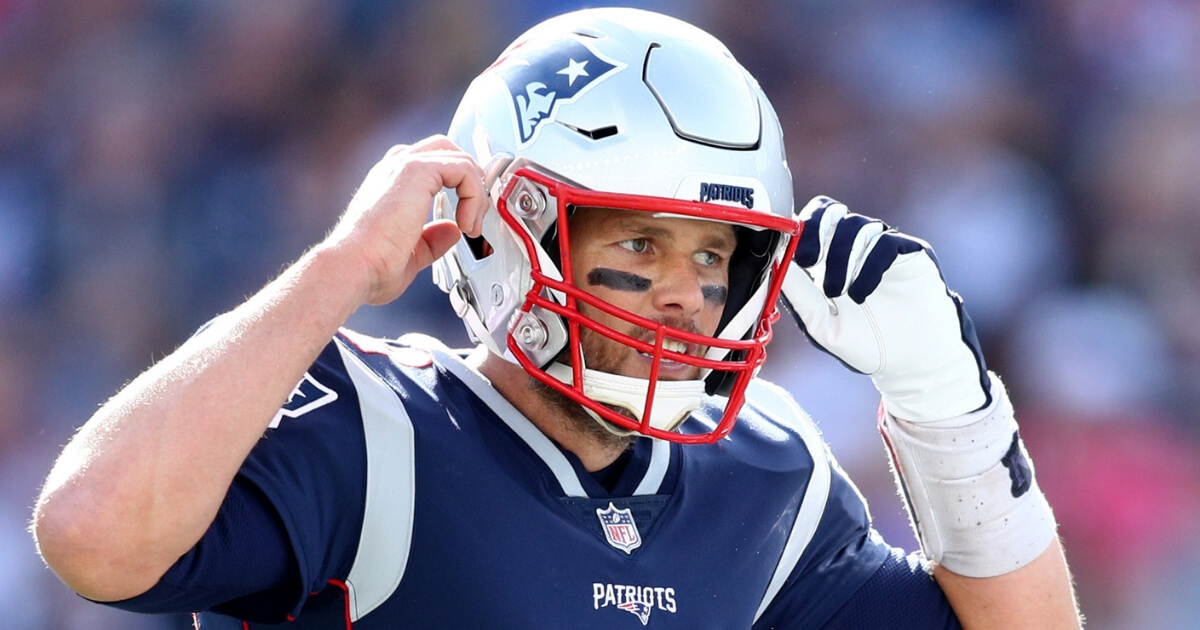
(160,159)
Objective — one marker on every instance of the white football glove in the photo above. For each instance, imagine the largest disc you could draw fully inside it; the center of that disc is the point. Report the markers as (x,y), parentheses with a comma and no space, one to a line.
(875,299)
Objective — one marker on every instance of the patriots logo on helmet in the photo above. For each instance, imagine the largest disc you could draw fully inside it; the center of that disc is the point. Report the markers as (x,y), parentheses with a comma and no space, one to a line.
(542,76)
(638,608)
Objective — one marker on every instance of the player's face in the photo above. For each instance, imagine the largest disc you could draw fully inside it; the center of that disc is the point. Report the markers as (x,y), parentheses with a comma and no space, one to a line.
(671,270)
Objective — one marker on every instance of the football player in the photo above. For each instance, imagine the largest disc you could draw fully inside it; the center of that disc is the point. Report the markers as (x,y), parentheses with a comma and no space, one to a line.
(613,221)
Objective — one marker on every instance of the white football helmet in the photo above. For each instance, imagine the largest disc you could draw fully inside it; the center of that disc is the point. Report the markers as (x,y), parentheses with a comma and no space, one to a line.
(626,109)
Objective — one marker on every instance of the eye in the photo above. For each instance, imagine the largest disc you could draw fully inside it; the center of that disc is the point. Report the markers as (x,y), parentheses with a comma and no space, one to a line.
(635,245)
(707,259)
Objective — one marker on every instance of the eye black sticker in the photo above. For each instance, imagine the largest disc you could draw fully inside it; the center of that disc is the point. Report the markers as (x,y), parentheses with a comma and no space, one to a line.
(618,280)
(715,294)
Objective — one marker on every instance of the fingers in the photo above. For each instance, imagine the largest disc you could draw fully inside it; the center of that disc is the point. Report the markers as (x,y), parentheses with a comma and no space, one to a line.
(384,225)
(437,237)
(875,299)
(452,168)
(473,201)
(816,228)
(847,248)
(802,285)
(882,253)
(836,245)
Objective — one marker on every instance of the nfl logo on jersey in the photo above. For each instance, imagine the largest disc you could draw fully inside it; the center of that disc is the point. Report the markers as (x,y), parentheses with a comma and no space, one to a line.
(619,528)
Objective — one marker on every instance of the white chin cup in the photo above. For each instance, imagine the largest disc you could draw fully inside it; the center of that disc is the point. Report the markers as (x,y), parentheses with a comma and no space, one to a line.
(673,400)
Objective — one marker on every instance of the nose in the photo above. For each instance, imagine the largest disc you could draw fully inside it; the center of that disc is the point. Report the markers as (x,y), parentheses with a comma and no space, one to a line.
(678,290)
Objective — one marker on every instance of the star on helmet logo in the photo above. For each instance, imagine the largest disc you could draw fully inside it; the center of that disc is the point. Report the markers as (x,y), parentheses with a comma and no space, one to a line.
(541,76)
(574,70)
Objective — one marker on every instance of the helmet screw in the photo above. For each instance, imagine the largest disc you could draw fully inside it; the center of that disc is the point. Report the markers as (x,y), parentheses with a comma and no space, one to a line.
(525,202)
(532,335)
(529,206)
(497,294)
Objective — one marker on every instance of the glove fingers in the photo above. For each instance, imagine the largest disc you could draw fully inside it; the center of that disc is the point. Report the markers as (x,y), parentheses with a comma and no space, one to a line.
(809,249)
(882,252)
(847,248)
(834,244)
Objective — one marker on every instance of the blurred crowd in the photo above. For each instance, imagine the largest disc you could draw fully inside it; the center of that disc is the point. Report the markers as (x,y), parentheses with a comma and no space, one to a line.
(161,159)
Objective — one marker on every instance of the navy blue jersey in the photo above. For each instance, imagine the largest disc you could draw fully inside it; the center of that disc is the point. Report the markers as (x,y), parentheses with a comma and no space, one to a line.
(398,489)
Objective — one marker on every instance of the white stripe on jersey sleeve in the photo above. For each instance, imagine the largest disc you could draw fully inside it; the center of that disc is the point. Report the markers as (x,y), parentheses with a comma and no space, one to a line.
(781,407)
(386,538)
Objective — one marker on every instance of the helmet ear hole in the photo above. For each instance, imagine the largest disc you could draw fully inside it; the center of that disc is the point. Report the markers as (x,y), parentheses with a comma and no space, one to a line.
(479,246)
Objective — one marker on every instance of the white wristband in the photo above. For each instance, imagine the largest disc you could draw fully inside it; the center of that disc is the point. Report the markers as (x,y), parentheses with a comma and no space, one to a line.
(970,488)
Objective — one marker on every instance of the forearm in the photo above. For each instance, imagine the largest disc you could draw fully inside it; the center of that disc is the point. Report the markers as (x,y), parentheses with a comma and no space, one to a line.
(982,518)
(1038,595)
(142,480)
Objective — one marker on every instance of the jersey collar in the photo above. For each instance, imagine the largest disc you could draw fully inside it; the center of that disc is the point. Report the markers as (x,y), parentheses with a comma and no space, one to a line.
(645,474)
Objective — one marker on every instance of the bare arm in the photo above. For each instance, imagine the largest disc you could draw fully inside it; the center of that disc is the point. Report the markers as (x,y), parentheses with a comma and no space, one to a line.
(142,480)
(1038,595)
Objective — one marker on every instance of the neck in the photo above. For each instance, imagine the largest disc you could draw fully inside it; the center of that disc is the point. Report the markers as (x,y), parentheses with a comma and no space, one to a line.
(595,448)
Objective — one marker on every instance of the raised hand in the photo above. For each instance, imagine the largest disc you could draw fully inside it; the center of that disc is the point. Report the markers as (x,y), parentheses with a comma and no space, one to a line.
(875,299)
(385,224)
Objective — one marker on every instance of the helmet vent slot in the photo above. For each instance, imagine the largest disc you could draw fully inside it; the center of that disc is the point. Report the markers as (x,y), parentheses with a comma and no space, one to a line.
(599,133)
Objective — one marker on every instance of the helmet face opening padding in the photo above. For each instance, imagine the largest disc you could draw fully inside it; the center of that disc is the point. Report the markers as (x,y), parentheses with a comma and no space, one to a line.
(630,110)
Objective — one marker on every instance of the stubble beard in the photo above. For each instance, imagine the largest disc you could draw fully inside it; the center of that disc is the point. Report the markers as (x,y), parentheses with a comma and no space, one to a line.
(602,356)
(576,417)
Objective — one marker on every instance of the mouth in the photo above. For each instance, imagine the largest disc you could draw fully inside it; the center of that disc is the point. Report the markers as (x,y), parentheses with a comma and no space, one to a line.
(672,345)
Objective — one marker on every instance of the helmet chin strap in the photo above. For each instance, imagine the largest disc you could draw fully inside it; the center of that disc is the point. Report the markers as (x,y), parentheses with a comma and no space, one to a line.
(673,400)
